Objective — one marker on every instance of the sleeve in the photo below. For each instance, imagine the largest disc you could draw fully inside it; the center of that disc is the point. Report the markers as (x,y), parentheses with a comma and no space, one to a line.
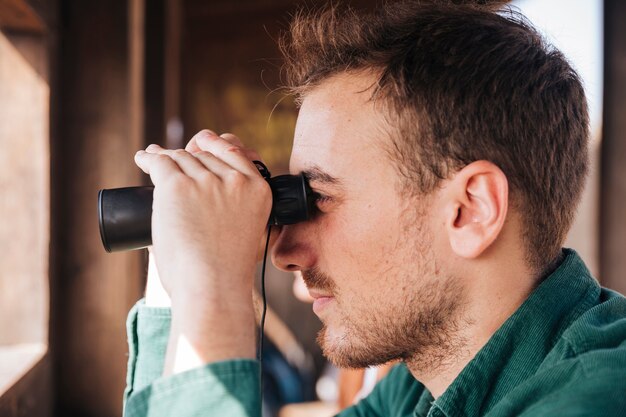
(227,388)
(591,398)
(600,394)
(362,409)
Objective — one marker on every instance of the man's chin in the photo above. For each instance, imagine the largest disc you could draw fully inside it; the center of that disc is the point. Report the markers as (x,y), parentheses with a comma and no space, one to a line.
(329,344)
(346,352)
(337,348)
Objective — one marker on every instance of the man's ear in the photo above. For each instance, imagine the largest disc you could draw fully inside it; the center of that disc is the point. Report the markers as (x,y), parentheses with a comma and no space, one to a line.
(477,203)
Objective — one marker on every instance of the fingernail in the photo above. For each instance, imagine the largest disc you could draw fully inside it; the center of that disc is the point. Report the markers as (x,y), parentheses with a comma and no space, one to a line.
(206,134)
(153,146)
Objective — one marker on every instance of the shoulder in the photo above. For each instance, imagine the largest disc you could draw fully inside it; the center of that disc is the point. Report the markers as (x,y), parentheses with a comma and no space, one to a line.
(585,373)
(600,330)
(597,341)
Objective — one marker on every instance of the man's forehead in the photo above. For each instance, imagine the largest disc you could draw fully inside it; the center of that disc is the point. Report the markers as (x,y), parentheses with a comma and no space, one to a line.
(338,127)
(327,155)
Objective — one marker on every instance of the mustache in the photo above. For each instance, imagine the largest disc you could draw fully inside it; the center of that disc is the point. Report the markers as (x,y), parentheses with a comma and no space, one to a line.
(314,278)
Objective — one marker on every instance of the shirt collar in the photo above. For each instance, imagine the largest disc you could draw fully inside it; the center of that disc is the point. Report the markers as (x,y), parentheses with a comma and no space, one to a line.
(520,345)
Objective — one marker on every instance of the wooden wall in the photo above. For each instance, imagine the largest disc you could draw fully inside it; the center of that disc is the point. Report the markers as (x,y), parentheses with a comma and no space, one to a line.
(230,64)
(118,78)
(613,166)
(93,142)
(230,79)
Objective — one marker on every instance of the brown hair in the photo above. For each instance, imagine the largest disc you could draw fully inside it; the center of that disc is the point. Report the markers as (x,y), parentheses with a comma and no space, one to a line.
(462,83)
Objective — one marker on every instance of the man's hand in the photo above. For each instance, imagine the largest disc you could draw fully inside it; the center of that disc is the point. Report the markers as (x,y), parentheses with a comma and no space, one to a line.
(210,210)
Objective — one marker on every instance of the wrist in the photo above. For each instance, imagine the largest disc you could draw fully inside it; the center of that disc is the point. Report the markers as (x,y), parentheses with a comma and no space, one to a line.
(206,334)
(193,282)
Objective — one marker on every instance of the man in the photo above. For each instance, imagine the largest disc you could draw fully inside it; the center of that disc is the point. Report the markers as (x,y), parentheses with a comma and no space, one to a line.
(448,146)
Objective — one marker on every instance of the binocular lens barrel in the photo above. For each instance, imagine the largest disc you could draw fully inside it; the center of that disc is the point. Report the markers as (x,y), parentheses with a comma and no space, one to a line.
(125,214)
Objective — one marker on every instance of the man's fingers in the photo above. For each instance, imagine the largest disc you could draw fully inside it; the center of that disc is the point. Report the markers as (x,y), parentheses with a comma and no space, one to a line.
(250,153)
(193,147)
(188,163)
(232,139)
(159,167)
(196,165)
(214,164)
(233,154)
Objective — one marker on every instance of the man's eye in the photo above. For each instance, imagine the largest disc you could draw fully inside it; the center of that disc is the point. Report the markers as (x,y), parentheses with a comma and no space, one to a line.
(321,200)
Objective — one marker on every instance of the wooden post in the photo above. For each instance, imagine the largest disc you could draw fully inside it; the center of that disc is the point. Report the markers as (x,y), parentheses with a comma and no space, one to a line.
(97,107)
(613,168)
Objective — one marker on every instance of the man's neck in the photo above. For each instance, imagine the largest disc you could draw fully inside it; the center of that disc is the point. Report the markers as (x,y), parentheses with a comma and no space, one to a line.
(493,296)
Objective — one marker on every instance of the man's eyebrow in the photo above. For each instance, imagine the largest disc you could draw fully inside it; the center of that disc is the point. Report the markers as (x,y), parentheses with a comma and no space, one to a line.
(318,175)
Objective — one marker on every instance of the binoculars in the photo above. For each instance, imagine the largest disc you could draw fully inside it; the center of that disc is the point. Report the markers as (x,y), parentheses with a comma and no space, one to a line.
(125,214)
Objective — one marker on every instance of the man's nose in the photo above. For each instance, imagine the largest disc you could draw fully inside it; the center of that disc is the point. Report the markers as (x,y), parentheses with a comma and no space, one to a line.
(291,251)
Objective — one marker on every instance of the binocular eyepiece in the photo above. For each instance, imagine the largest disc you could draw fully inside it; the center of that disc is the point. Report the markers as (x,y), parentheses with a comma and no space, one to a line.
(125,214)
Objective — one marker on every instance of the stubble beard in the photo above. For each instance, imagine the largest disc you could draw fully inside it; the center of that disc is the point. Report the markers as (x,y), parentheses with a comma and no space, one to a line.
(421,326)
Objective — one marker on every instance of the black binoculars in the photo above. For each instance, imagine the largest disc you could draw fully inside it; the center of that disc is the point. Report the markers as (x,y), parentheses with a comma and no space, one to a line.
(125,214)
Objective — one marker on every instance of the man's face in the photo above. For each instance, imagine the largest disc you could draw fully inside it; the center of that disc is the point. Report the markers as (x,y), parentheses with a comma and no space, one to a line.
(368,255)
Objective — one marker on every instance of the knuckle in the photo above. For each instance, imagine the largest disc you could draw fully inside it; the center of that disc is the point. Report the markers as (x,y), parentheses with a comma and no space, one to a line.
(205,176)
(177,183)
(262,188)
(236,178)
(231,138)
(235,150)
(203,154)
(161,159)
(179,153)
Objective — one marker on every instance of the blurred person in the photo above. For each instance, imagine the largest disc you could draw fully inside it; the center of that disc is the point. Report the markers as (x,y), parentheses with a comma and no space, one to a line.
(447,145)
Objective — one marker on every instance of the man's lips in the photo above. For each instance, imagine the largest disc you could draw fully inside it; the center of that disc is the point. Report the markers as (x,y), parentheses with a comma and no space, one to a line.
(315,294)
(320,300)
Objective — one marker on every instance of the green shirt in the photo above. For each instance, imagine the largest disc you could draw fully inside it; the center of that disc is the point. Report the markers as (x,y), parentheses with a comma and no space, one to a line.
(562,353)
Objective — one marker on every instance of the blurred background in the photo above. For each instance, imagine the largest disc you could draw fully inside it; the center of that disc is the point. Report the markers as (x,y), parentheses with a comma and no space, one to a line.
(85,84)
